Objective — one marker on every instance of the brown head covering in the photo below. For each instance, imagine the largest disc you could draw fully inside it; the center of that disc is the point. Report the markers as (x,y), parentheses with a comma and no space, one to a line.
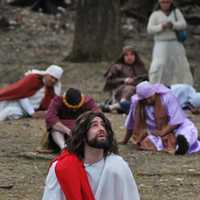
(138,64)
(130,48)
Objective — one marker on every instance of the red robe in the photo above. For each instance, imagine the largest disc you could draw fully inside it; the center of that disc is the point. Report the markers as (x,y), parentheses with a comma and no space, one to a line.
(72,177)
(27,87)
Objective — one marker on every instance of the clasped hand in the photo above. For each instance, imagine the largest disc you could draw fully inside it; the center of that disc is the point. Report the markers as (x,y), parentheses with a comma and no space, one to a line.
(167,25)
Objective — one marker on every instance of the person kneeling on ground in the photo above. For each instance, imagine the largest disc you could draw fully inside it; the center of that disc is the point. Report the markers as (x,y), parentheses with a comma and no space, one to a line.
(62,114)
(90,168)
(31,95)
(158,123)
(188,97)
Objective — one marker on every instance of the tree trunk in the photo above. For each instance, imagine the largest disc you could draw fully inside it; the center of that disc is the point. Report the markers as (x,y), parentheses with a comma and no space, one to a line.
(97,31)
(139,9)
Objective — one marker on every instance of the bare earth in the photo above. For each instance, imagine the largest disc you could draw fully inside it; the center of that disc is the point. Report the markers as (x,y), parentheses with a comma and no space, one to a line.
(35,41)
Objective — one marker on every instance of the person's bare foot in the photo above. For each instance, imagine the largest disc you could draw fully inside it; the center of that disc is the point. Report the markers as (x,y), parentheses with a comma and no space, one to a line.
(170,151)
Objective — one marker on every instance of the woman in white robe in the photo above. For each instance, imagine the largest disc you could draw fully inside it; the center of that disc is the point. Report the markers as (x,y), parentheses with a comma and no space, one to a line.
(169,63)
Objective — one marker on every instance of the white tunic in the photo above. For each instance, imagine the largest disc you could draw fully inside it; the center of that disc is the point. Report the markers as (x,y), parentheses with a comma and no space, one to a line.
(169,63)
(110,179)
(183,93)
(186,94)
(23,107)
(26,106)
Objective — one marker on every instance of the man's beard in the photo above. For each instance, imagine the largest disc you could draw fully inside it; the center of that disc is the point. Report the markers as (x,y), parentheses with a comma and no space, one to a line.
(99,144)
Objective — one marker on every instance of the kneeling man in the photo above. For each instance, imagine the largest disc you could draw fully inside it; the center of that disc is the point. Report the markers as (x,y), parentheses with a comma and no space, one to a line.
(90,168)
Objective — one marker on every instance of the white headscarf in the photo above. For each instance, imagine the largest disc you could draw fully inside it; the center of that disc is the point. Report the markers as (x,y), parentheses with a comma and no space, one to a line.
(53,70)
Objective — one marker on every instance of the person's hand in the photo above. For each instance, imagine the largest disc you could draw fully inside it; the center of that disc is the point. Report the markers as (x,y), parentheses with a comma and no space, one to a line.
(38,114)
(129,81)
(158,133)
(167,25)
(169,142)
(195,111)
(68,131)
(164,26)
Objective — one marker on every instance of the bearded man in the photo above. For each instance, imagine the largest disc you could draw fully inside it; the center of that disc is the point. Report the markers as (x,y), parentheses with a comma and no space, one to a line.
(90,168)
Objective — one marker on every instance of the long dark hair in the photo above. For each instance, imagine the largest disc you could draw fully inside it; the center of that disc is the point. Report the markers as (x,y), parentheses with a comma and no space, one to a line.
(79,134)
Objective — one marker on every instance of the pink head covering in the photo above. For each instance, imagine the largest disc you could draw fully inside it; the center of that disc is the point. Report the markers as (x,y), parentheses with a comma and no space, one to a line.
(145,89)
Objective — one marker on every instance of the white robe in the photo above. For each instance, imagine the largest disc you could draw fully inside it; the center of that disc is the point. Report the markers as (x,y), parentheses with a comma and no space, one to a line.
(169,63)
(186,94)
(110,179)
(26,106)
(22,107)
(183,93)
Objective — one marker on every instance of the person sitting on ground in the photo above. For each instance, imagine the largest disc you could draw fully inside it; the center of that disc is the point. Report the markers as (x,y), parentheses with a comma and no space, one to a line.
(62,114)
(90,168)
(31,95)
(122,77)
(157,122)
(187,96)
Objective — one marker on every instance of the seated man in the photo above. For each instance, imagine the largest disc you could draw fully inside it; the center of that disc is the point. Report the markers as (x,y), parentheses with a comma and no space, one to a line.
(62,114)
(158,123)
(90,168)
(31,95)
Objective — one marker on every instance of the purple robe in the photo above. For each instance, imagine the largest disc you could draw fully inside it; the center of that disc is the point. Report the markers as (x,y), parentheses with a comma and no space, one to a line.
(176,117)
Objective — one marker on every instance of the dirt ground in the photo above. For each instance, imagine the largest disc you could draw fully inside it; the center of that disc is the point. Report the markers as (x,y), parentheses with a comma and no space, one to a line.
(39,40)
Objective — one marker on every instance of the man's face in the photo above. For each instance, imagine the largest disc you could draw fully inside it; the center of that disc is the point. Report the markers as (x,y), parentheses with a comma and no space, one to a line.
(49,80)
(129,57)
(97,135)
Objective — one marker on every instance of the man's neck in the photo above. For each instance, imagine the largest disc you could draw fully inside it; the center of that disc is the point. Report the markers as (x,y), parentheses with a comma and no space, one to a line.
(93,155)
